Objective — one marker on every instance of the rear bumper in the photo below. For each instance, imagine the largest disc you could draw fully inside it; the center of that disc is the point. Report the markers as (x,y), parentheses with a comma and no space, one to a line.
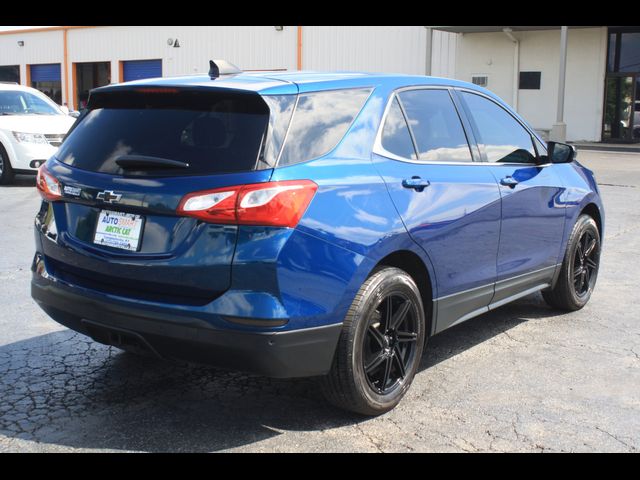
(282,354)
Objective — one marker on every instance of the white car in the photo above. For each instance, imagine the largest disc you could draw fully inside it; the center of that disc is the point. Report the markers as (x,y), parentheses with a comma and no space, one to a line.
(32,128)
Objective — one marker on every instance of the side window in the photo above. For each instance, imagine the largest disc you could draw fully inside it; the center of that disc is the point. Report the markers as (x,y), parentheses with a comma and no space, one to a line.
(319,122)
(436,126)
(395,135)
(504,139)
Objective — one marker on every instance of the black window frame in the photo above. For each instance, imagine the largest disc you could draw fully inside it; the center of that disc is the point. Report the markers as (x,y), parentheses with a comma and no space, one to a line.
(395,100)
(466,128)
(481,146)
(617,32)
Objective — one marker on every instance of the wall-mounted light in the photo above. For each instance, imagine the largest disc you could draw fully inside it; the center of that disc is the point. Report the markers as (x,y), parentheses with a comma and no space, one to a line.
(279,28)
(21,43)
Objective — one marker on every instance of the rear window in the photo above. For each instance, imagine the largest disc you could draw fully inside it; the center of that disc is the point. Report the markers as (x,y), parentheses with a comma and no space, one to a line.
(320,121)
(211,131)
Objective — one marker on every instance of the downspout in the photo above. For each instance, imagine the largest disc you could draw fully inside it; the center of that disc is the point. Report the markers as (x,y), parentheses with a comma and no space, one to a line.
(66,67)
(516,65)
(299,47)
(429,52)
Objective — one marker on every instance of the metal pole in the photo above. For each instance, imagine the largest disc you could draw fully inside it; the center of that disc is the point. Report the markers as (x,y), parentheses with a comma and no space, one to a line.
(559,130)
(563,71)
(516,65)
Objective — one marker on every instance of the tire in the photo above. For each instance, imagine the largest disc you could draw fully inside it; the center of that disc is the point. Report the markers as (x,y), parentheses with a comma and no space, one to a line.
(579,269)
(6,172)
(376,331)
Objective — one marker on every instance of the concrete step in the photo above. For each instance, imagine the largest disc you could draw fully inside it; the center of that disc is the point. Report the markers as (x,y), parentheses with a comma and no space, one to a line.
(608,147)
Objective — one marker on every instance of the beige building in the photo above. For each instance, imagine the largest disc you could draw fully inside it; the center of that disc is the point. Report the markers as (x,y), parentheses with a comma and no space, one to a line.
(523,65)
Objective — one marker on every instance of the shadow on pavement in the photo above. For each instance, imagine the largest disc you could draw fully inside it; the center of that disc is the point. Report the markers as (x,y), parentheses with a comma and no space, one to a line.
(457,339)
(64,389)
(22,181)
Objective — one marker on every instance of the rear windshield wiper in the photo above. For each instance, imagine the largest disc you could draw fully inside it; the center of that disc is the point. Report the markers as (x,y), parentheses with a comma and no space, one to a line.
(142,162)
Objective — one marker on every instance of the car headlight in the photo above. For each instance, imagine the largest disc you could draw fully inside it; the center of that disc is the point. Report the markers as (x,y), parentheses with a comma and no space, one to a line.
(31,138)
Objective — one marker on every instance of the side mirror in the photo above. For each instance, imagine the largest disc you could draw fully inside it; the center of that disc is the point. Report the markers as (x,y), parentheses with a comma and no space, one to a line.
(560,152)
(65,109)
(74,114)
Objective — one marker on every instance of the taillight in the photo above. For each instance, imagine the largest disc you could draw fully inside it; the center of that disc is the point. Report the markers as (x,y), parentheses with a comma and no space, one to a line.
(278,204)
(48,186)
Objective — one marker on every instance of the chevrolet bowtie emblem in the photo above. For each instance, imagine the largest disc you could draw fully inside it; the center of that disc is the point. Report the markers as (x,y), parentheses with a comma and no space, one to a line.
(108,196)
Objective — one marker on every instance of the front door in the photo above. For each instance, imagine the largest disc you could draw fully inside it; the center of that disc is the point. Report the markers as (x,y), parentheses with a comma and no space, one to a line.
(532,217)
(449,204)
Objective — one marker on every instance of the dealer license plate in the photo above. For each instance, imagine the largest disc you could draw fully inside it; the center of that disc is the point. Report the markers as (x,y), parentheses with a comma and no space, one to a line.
(119,230)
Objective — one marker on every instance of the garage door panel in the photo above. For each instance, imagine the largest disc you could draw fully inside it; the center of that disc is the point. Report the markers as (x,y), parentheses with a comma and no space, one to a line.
(139,69)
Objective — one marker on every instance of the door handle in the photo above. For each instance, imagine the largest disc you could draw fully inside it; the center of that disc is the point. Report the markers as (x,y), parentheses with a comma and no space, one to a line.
(509,182)
(416,183)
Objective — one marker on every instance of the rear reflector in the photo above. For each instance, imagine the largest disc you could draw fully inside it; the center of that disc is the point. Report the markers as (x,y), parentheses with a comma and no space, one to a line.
(278,204)
(48,186)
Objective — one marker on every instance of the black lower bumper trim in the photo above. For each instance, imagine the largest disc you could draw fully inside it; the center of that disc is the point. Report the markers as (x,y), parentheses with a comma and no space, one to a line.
(296,353)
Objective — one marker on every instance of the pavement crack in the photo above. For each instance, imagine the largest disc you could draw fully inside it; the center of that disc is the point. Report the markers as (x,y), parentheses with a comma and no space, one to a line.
(369,437)
(616,438)
(615,185)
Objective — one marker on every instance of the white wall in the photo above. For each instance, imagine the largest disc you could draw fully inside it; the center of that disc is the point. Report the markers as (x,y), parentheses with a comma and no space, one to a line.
(487,54)
(365,48)
(249,47)
(39,47)
(443,57)
(492,53)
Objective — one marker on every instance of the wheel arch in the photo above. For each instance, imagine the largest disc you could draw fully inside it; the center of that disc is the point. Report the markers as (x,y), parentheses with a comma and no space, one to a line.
(593,211)
(411,263)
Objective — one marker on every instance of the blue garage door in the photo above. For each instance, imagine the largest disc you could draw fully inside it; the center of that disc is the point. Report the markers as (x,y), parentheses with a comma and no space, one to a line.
(137,69)
(45,73)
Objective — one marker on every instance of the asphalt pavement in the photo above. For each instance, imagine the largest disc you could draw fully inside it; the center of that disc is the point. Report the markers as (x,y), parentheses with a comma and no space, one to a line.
(522,378)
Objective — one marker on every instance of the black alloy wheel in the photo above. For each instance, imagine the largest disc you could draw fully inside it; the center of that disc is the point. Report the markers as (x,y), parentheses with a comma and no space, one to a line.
(380,347)
(389,345)
(585,264)
(579,270)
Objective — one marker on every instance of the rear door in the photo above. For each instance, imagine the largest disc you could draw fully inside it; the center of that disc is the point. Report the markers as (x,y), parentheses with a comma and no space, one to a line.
(449,203)
(532,215)
(117,229)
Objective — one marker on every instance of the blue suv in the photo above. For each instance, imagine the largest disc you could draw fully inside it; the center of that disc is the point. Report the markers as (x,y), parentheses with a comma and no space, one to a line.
(306,224)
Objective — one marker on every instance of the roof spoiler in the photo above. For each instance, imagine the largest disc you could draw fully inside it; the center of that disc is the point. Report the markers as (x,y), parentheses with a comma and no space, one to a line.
(222,67)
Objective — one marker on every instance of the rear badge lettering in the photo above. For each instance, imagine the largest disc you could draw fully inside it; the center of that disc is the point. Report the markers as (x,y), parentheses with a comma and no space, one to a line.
(73,191)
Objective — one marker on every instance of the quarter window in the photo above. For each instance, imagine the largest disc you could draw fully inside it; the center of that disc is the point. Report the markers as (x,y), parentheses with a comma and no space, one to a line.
(395,135)
(436,126)
(319,122)
(504,139)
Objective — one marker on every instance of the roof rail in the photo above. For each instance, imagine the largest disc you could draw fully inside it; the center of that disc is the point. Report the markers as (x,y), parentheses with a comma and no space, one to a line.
(10,83)
(222,67)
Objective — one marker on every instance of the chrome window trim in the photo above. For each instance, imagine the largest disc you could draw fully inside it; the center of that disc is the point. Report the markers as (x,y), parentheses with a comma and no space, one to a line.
(286,134)
(380,150)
